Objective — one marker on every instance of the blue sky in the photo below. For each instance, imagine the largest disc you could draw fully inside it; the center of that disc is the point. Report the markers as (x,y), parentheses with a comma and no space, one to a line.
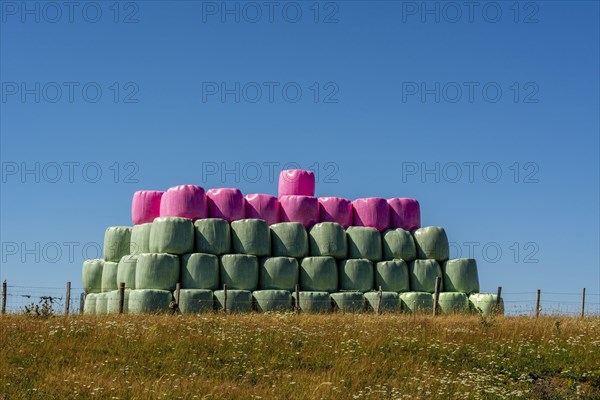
(501,102)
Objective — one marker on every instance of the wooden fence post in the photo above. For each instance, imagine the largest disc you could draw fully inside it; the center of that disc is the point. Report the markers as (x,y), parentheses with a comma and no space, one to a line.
(498,298)
(177,296)
(4,297)
(436,294)
(68,298)
(582,303)
(379,302)
(537,303)
(225,298)
(81,302)
(121,297)
(297,298)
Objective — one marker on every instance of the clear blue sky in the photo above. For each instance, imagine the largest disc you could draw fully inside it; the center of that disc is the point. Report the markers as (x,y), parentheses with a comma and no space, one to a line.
(388,89)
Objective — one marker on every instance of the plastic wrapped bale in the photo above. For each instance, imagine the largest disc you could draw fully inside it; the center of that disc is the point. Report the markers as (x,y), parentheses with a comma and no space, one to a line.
(195,301)
(303,209)
(398,244)
(384,302)
(328,239)
(335,209)
(318,274)
(485,304)
(149,301)
(278,273)
(109,276)
(417,302)
(101,303)
(364,242)
(272,300)
(199,271)
(423,274)
(460,275)
(356,274)
(263,206)
(348,301)
(238,301)
(251,236)
(432,242)
(239,271)
(116,242)
(226,203)
(289,239)
(453,303)
(405,214)
(112,305)
(314,302)
(372,212)
(157,271)
(126,271)
(140,239)
(296,182)
(91,275)
(145,206)
(172,235)
(213,236)
(185,201)
(392,276)
(89,305)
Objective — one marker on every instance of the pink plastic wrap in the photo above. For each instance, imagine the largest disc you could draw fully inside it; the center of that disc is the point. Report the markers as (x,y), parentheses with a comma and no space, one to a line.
(262,206)
(373,212)
(405,214)
(335,209)
(145,206)
(185,201)
(296,182)
(303,209)
(225,203)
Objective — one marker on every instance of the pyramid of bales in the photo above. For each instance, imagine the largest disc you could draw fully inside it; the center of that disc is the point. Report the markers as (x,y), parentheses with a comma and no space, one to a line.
(361,255)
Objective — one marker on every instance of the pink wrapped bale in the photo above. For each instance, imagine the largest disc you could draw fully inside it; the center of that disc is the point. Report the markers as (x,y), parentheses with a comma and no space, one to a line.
(335,209)
(184,201)
(303,209)
(145,206)
(296,182)
(262,206)
(226,203)
(372,212)
(404,213)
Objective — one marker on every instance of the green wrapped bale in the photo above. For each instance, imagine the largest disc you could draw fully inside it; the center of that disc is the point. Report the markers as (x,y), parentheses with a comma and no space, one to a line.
(89,305)
(91,275)
(117,240)
(140,239)
(460,275)
(423,274)
(348,301)
(392,276)
(314,302)
(278,273)
(126,271)
(199,271)
(485,304)
(149,301)
(251,236)
(101,303)
(238,301)
(172,235)
(213,236)
(384,302)
(318,274)
(109,276)
(328,239)
(398,244)
(364,242)
(417,302)
(157,271)
(289,239)
(453,303)
(272,300)
(239,271)
(112,305)
(432,242)
(356,274)
(195,301)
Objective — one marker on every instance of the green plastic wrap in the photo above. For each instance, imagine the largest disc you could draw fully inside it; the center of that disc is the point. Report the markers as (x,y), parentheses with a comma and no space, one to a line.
(109,276)
(116,242)
(251,236)
(485,304)
(314,302)
(112,305)
(149,301)
(349,301)
(453,303)
(328,239)
(126,271)
(419,302)
(460,275)
(172,235)
(289,239)
(157,271)
(140,239)
(272,300)
(364,242)
(390,301)
(318,274)
(239,271)
(195,301)
(398,244)
(101,303)
(213,236)
(89,305)
(356,274)
(432,242)
(278,273)
(392,276)
(91,275)
(199,271)
(238,301)
(422,275)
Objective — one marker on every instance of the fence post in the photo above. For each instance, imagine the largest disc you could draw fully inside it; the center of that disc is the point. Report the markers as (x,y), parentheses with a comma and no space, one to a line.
(4,297)
(297,298)
(537,303)
(498,297)
(582,303)
(121,297)
(81,302)
(177,296)
(225,298)
(379,302)
(68,298)
(436,294)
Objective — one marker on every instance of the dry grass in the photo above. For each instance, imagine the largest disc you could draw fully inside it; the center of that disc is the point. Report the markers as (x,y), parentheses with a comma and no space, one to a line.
(281,356)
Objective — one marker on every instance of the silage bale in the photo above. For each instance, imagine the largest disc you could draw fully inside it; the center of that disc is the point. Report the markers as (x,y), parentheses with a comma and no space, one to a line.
(140,239)
(226,203)
(278,273)
(390,301)
(238,301)
(398,243)
(392,276)
(302,209)
(296,182)
(185,201)
(126,271)
(356,274)
(419,302)
(157,271)
(423,274)
(251,236)
(112,302)
(289,239)
(91,275)
(109,276)
(149,301)
(172,235)
(373,212)
(239,271)
(145,206)
(348,301)
(194,301)
(272,300)
(460,275)
(314,302)
(335,209)
(116,242)
(432,242)
(213,236)
(485,304)
(101,304)
(328,239)
(262,206)
(364,242)
(318,274)
(89,305)
(405,214)
(453,303)
(199,271)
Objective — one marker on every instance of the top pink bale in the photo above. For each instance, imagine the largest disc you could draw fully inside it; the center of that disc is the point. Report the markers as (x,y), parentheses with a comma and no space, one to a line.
(185,201)
(404,213)
(145,206)
(262,206)
(373,212)
(226,203)
(296,182)
(335,209)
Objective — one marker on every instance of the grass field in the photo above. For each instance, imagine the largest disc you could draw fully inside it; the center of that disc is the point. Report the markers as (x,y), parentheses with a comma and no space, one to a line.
(289,356)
